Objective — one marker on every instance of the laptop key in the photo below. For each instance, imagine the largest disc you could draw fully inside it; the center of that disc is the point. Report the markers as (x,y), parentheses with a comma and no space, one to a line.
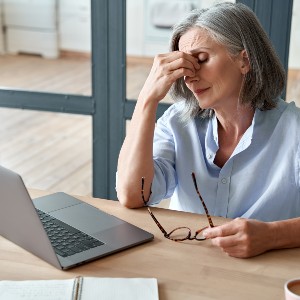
(60,252)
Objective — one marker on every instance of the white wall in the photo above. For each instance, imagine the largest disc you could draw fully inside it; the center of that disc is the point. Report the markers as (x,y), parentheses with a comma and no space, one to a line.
(134,27)
(146,39)
(45,26)
(294,58)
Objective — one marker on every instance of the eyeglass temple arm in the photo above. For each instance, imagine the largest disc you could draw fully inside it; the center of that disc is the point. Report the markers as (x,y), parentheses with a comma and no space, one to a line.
(157,223)
(202,201)
(149,210)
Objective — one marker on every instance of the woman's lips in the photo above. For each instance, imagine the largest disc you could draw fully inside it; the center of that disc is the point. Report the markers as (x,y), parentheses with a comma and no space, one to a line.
(200,91)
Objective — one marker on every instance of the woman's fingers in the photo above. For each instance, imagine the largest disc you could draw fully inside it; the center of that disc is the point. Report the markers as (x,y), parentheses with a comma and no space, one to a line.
(241,237)
(178,60)
(166,69)
(227,229)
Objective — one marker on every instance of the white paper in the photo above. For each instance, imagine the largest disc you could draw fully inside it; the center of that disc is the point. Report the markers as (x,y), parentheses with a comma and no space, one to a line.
(37,289)
(119,288)
(92,288)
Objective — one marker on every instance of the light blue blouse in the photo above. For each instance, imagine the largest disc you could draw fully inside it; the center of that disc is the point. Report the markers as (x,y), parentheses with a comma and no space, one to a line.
(260,180)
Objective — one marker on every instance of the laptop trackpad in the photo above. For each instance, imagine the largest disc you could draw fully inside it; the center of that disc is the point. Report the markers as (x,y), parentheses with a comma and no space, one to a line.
(86,218)
(122,235)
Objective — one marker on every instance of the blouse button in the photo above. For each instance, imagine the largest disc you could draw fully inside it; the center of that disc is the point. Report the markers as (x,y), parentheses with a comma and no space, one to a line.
(224,180)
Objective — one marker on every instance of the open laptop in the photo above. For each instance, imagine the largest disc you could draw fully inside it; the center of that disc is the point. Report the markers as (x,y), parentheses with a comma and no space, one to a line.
(59,228)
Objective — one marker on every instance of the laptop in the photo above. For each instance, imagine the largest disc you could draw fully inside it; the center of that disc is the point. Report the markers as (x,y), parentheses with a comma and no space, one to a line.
(60,229)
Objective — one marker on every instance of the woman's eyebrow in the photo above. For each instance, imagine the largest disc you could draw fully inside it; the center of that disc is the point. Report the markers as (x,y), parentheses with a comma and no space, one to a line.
(199,50)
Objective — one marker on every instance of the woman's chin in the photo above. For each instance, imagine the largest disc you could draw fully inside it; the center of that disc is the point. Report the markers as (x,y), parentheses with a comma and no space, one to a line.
(204,104)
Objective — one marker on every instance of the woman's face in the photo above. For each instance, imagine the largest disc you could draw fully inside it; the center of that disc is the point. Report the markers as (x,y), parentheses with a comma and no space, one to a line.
(217,83)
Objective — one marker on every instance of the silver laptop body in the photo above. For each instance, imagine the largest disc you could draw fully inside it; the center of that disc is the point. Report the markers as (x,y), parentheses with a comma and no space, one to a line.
(21,224)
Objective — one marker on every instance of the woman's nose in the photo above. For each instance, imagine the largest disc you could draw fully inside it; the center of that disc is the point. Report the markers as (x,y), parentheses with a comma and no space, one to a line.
(190,79)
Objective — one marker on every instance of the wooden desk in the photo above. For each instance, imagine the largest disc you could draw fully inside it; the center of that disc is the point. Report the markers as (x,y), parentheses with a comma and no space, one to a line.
(186,270)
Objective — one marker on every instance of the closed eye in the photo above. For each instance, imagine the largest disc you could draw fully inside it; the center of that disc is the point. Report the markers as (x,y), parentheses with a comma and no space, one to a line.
(202,61)
(202,58)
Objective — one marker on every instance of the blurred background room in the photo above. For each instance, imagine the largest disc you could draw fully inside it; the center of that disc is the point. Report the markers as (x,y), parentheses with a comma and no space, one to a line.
(45,47)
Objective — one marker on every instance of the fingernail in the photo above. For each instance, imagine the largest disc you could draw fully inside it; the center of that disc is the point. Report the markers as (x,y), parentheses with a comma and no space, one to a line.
(205,233)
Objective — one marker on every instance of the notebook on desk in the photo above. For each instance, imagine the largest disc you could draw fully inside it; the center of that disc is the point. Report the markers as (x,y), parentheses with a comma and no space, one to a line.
(60,229)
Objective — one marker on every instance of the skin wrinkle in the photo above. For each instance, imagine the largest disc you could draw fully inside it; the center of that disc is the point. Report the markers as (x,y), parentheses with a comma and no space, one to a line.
(219,66)
(190,44)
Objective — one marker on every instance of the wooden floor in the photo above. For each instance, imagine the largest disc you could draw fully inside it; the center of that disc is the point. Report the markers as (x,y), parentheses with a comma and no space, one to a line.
(53,150)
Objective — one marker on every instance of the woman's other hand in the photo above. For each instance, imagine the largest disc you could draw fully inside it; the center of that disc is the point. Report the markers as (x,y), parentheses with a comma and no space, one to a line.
(243,238)
(166,69)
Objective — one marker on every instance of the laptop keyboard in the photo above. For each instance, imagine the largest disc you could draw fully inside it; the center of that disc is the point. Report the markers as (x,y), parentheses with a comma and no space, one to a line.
(65,239)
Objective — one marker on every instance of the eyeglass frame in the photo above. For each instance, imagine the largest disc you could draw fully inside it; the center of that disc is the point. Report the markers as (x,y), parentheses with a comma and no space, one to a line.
(189,235)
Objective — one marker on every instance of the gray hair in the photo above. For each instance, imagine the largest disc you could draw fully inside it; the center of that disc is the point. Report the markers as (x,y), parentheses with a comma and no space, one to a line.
(236,27)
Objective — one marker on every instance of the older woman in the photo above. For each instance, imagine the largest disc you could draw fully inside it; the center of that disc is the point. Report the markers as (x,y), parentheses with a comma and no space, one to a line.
(229,126)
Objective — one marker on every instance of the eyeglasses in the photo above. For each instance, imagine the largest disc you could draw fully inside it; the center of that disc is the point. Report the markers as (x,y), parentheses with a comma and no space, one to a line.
(181,233)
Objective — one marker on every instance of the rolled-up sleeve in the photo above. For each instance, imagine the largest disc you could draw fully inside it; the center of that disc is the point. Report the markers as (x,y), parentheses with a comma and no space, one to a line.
(165,179)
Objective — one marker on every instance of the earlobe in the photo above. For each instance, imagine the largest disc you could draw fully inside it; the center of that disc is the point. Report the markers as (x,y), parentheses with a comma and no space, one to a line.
(245,65)
(244,70)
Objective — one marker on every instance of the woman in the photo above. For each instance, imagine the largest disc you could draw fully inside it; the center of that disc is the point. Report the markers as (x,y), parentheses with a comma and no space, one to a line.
(229,126)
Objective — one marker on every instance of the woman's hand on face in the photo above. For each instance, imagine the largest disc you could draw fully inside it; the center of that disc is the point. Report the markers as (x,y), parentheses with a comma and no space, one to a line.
(166,69)
(242,237)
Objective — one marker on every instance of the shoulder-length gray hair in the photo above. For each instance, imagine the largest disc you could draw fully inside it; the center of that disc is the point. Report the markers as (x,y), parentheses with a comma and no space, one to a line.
(236,27)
